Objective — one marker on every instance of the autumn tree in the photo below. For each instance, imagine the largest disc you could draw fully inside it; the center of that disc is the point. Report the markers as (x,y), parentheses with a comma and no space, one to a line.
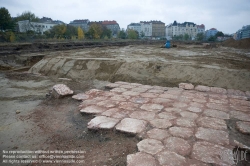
(80,33)
(122,34)
(132,34)
(200,36)
(95,31)
(5,19)
(57,31)
(12,37)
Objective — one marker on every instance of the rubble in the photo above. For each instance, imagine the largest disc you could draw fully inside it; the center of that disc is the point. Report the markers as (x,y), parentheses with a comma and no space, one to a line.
(61,90)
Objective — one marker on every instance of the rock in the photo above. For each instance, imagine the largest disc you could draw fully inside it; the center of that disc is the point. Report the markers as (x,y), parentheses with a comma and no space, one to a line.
(152,107)
(184,122)
(211,135)
(171,159)
(182,132)
(235,92)
(195,109)
(243,127)
(186,86)
(218,90)
(202,88)
(177,145)
(61,90)
(240,115)
(144,115)
(150,146)
(214,123)
(18,111)
(80,96)
(92,110)
(158,134)
(161,123)
(141,159)
(133,126)
(166,116)
(211,153)
(102,122)
(216,114)
(189,115)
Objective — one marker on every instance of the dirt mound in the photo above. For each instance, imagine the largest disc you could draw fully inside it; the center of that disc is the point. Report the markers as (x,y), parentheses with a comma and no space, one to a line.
(243,44)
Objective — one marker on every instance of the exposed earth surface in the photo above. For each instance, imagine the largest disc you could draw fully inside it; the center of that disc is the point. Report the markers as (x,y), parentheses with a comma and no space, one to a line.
(172,125)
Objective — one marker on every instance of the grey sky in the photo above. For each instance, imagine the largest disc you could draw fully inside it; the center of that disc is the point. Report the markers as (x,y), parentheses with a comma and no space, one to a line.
(226,15)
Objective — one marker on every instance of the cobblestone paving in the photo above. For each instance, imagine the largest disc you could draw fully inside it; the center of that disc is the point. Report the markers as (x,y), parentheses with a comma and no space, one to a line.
(178,126)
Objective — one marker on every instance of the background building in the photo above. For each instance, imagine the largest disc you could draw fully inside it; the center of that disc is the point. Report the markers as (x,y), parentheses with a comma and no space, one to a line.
(211,32)
(158,29)
(243,33)
(113,26)
(81,23)
(135,27)
(189,28)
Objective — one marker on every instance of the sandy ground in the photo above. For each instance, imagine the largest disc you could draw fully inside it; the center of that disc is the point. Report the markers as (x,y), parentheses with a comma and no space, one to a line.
(45,123)
(149,64)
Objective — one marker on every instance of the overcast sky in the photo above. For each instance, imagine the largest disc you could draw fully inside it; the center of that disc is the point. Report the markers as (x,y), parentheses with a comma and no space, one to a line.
(226,15)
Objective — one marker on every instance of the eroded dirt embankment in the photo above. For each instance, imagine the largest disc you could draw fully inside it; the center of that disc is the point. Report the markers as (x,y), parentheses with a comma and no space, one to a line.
(221,67)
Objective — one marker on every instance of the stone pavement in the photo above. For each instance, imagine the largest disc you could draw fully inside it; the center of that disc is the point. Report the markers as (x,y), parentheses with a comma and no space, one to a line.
(177,126)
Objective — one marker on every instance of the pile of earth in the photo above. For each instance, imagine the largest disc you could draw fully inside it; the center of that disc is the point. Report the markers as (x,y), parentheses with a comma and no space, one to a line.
(242,44)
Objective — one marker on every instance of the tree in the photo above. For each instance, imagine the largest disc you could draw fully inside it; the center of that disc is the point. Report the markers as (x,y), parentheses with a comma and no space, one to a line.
(5,19)
(122,34)
(142,34)
(57,31)
(186,37)
(132,34)
(71,32)
(27,15)
(95,31)
(12,37)
(212,38)
(219,34)
(106,33)
(200,36)
(80,33)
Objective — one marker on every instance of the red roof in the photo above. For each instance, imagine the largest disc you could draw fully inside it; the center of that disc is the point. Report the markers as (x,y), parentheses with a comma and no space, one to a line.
(109,22)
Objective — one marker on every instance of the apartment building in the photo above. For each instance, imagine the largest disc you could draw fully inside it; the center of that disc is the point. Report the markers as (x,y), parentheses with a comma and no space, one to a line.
(81,23)
(113,26)
(135,27)
(190,28)
(146,28)
(211,32)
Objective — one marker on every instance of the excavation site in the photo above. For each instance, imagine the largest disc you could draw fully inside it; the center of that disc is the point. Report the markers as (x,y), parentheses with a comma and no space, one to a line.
(125,103)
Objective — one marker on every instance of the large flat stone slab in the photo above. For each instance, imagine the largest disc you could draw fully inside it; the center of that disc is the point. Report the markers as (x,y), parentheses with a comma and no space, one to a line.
(240,115)
(213,123)
(177,145)
(243,127)
(182,132)
(161,123)
(80,96)
(152,107)
(132,126)
(151,146)
(211,153)
(186,86)
(92,109)
(171,159)
(189,115)
(185,122)
(158,134)
(216,114)
(144,115)
(214,136)
(102,122)
(141,159)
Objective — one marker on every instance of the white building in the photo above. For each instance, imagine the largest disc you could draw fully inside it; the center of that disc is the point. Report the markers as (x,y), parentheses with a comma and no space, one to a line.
(39,27)
(189,28)
(146,28)
(135,27)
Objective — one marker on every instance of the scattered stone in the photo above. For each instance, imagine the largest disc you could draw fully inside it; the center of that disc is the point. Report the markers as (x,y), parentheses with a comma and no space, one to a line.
(158,134)
(243,127)
(61,90)
(166,116)
(195,109)
(177,145)
(92,110)
(214,136)
(161,123)
(184,122)
(80,96)
(152,107)
(202,88)
(132,126)
(189,115)
(214,123)
(139,100)
(18,111)
(94,92)
(182,132)
(150,146)
(216,114)
(141,159)
(186,86)
(144,115)
(211,153)
(102,122)
(218,90)
(240,115)
(171,159)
